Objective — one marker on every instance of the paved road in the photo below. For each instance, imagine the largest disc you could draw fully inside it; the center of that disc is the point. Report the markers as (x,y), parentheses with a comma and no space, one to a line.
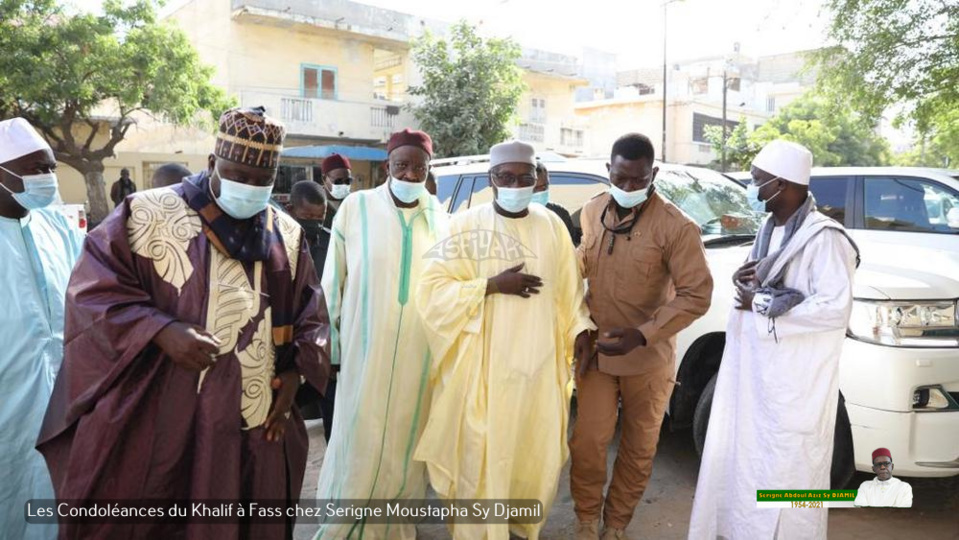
(667,503)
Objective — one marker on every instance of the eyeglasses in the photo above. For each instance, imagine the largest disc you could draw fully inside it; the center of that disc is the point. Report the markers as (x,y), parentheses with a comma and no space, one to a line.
(882,465)
(509,178)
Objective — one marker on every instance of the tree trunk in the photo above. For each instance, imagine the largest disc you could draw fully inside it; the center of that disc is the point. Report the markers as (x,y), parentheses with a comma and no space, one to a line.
(96,193)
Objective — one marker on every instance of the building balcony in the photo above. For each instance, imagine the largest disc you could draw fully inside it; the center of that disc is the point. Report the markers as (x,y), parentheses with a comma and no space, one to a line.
(370,122)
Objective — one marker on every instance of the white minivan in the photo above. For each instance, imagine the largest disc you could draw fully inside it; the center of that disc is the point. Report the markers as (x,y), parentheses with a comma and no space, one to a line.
(899,375)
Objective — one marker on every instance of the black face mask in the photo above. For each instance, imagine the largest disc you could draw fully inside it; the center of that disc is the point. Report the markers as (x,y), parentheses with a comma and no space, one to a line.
(312,227)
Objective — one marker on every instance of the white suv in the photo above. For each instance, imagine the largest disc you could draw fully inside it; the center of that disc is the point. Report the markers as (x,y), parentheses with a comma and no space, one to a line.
(899,374)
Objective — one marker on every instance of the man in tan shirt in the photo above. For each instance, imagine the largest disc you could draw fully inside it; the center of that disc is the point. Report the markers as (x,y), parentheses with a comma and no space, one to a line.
(647,280)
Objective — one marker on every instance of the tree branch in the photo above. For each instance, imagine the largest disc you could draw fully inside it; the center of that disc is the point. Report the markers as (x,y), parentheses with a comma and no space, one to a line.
(94,129)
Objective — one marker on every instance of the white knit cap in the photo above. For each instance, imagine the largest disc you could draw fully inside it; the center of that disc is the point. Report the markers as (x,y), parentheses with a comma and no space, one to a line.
(18,138)
(787,160)
(512,152)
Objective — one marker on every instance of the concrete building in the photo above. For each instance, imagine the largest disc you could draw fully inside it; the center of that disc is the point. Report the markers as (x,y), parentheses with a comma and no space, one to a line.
(755,90)
(547,116)
(334,72)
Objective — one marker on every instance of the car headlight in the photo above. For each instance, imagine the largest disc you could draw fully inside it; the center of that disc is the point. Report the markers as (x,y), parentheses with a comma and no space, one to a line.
(905,324)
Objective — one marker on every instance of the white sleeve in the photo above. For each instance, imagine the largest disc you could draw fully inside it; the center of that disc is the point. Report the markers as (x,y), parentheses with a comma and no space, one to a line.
(904,497)
(831,264)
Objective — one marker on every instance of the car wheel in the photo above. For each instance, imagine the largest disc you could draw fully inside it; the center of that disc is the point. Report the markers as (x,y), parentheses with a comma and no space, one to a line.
(843,461)
(701,416)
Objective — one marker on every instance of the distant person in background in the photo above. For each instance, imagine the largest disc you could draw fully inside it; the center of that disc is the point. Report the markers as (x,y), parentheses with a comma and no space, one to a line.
(884,490)
(170,174)
(38,249)
(541,196)
(122,187)
(337,180)
(431,183)
(308,207)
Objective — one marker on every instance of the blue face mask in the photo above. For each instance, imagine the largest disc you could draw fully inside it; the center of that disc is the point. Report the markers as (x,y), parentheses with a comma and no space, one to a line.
(541,197)
(407,191)
(752,197)
(39,190)
(242,201)
(514,200)
(629,199)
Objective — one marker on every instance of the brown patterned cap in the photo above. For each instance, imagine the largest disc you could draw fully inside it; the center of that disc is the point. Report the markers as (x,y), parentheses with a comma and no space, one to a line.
(249,137)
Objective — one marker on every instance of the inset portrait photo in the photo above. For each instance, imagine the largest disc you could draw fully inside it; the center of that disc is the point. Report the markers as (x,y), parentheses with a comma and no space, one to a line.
(884,490)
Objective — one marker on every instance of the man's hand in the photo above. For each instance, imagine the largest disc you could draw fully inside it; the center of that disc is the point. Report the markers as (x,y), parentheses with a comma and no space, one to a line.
(746,276)
(623,340)
(286,383)
(744,299)
(511,281)
(191,347)
(584,353)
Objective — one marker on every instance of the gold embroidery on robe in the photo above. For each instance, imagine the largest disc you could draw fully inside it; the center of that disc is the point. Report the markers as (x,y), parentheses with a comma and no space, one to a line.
(160,228)
(233,301)
(292,234)
(257,363)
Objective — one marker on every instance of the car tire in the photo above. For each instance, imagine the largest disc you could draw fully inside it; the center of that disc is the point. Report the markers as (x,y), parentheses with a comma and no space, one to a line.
(843,460)
(701,415)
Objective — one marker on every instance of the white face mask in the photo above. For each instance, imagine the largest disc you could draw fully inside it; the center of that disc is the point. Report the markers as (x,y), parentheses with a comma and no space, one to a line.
(339,191)
(407,192)
(242,201)
(39,190)
(629,199)
(514,200)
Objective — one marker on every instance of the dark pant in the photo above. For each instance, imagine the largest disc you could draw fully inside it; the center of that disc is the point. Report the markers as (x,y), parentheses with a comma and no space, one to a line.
(313,405)
(326,408)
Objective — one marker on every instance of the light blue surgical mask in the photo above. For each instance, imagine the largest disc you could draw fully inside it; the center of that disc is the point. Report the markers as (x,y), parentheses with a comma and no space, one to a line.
(407,191)
(629,199)
(243,201)
(39,190)
(514,200)
(340,191)
(752,197)
(541,197)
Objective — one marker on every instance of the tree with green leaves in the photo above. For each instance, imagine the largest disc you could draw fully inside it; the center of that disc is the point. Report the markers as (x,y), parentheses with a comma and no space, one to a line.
(59,69)
(739,149)
(897,52)
(470,91)
(832,131)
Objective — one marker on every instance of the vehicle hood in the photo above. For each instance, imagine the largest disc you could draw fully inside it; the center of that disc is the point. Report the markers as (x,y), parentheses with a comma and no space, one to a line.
(907,273)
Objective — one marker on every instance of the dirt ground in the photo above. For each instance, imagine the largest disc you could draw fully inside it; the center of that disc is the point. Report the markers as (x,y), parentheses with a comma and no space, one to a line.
(666,505)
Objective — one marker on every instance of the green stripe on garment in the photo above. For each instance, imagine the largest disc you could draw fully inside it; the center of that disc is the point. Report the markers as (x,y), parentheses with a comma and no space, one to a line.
(406,258)
(424,377)
(366,273)
(386,421)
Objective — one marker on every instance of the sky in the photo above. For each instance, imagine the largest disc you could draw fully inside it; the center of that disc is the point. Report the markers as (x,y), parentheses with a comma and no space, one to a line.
(633,29)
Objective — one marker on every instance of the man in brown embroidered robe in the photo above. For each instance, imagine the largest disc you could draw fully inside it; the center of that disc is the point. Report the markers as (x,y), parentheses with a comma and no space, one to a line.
(191,316)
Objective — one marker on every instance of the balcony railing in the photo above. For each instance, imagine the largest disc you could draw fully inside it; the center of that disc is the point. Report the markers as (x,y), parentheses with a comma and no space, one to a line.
(296,109)
(371,121)
(384,117)
(532,132)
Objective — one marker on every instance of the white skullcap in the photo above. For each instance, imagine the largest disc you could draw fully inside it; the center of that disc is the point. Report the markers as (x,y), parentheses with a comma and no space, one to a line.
(512,152)
(18,138)
(787,160)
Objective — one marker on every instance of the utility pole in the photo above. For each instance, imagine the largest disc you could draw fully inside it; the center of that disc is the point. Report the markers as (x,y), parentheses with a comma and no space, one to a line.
(662,152)
(725,89)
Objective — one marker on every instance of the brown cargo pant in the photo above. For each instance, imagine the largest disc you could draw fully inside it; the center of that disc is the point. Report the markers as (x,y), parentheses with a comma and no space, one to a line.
(644,399)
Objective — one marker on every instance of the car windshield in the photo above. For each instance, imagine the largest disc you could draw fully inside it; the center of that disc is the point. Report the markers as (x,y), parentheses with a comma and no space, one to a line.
(715,202)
